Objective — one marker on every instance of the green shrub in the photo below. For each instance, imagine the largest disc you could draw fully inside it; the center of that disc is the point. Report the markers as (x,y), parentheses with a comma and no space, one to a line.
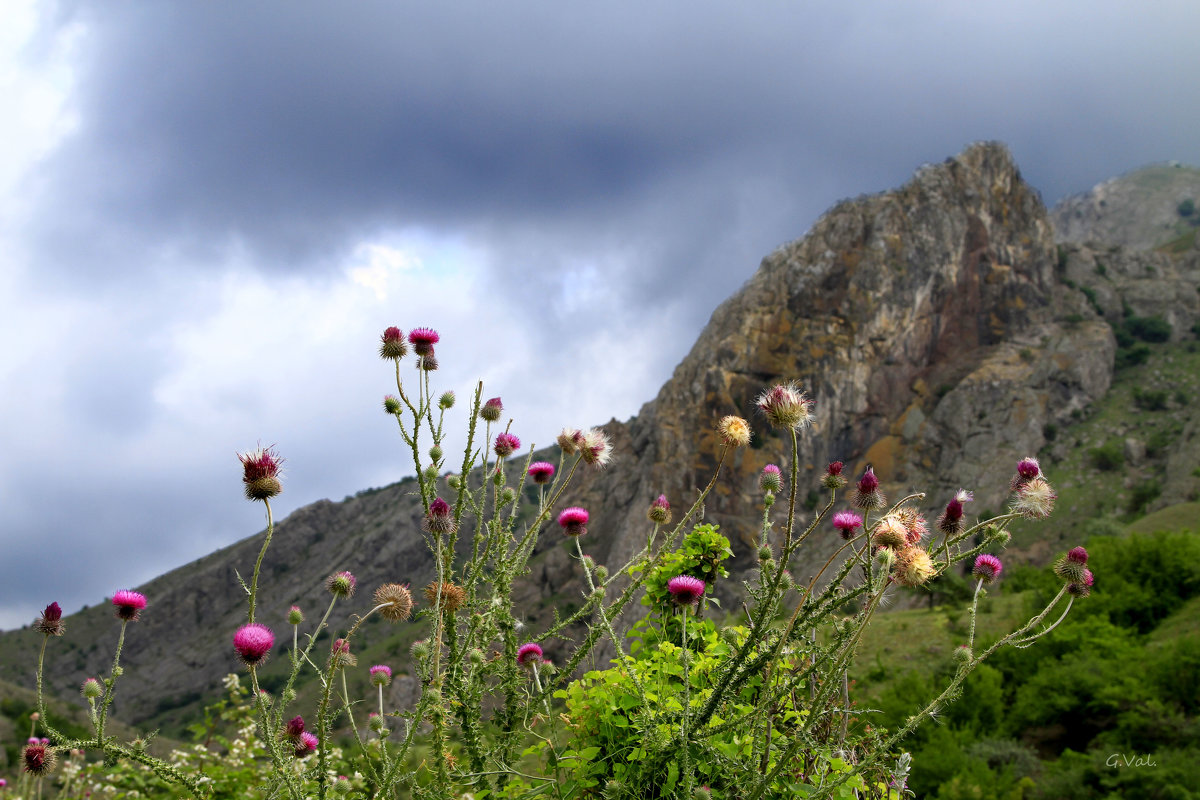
(1150,399)
(1149,329)
(1143,495)
(1109,456)
(1186,208)
(1132,356)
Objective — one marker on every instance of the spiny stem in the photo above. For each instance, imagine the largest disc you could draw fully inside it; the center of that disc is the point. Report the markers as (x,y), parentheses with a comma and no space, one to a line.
(261,553)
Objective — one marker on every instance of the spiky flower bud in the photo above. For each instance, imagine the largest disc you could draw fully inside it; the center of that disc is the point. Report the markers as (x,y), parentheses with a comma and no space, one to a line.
(950,520)
(435,454)
(866,494)
(423,340)
(833,476)
(885,557)
(91,689)
(770,479)
(295,616)
(507,496)
(475,656)
(377,724)
(381,675)
(419,650)
(785,406)
(431,473)
(1027,470)
(734,431)
(453,481)
(294,727)
(340,655)
(440,518)
(764,553)
(253,643)
(686,590)
(341,584)
(260,473)
(428,362)
(573,521)
(396,600)
(447,595)
(1069,570)
(391,404)
(987,568)
(601,572)
(392,344)
(491,410)
(1083,587)
(541,472)
(129,604)
(446,401)
(963,654)
(50,622)
(506,444)
(660,511)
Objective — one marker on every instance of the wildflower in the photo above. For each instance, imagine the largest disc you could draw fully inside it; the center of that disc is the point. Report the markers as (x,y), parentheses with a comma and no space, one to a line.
(253,643)
(260,473)
(306,744)
(340,655)
(987,568)
(847,522)
(890,532)
(423,340)
(39,759)
(446,401)
(427,363)
(541,472)
(573,521)
(128,604)
(491,410)
(50,622)
(505,444)
(734,431)
(440,519)
(595,449)
(770,479)
(1078,555)
(295,616)
(451,597)
(660,511)
(785,406)
(833,476)
(866,494)
(1035,499)
(341,584)
(391,404)
(398,600)
(91,689)
(529,654)
(419,650)
(381,675)
(914,525)
(294,727)
(392,344)
(913,566)
(569,440)
(950,521)
(686,590)
(1083,587)
(1027,470)
(1070,568)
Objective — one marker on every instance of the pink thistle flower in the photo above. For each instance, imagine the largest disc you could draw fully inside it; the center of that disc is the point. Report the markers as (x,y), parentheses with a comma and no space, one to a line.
(987,568)
(340,655)
(253,643)
(569,440)
(341,584)
(541,472)
(1083,587)
(423,340)
(785,406)
(950,521)
(381,675)
(1027,470)
(573,521)
(306,744)
(595,448)
(770,479)
(392,344)
(39,759)
(91,689)
(491,410)
(506,444)
(847,522)
(685,590)
(1078,555)
(660,511)
(260,473)
(440,518)
(866,494)
(833,476)
(1070,568)
(50,622)
(128,604)
(914,525)
(294,727)
(529,654)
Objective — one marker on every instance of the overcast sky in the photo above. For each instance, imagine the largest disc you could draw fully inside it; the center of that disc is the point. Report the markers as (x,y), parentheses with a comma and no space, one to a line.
(210,211)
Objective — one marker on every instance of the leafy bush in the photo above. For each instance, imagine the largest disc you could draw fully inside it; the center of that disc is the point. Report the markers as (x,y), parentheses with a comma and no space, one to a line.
(1132,356)
(1150,399)
(1148,329)
(1108,457)
(1186,208)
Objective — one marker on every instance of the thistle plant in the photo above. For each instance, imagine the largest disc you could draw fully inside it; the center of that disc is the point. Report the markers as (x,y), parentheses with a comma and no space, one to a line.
(694,703)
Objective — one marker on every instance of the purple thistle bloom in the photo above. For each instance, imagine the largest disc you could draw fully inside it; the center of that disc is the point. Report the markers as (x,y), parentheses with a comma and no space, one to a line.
(847,522)
(253,643)
(491,410)
(541,472)
(306,744)
(1078,555)
(381,675)
(987,568)
(529,654)
(128,604)
(423,340)
(506,444)
(660,511)
(294,727)
(573,521)
(685,590)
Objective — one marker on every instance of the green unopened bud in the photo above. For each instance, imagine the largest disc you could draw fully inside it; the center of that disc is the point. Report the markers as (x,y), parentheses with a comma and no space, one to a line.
(498,477)
(289,695)
(453,481)
(342,786)
(431,473)
(419,650)
(787,581)
(434,694)
(446,401)
(598,593)
(391,405)
(376,724)
(91,689)
(701,793)
(998,536)
(962,655)
(435,453)
(768,564)
(601,572)
(295,616)
(116,673)
(475,656)
(764,553)
(730,635)
(886,557)
(507,496)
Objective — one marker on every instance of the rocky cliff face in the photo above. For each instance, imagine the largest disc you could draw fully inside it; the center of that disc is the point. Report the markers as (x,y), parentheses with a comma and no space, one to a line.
(1139,210)
(931,325)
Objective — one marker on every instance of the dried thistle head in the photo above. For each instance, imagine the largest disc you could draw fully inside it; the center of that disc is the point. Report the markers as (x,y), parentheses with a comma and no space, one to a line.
(398,600)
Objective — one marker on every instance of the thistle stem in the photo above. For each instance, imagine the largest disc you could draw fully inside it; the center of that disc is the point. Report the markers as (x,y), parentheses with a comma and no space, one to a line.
(261,553)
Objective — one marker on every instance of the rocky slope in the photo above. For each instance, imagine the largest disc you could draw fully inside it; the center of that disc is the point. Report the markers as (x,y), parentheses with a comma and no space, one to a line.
(931,324)
(1138,210)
